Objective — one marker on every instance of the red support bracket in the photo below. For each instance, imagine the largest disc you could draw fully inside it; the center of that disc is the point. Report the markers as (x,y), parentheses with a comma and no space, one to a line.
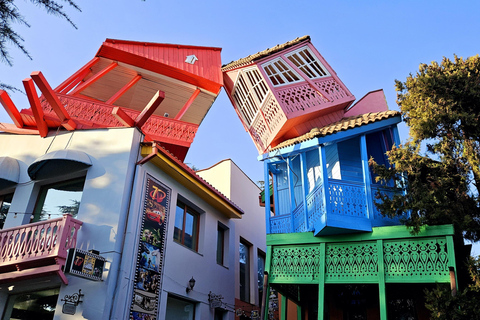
(11,109)
(75,78)
(53,100)
(36,107)
(94,78)
(125,88)
(187,104)
(121,116)
(149,109)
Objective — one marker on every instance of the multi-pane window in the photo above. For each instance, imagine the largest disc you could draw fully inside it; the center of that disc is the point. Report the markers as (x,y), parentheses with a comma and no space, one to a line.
(186,226)
(57,199)
(5,202)
(250,92)
(279,72)
(244,251)
(304,60)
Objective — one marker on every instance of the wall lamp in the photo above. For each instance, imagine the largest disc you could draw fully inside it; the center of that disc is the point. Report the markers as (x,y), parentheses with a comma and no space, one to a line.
(191,284)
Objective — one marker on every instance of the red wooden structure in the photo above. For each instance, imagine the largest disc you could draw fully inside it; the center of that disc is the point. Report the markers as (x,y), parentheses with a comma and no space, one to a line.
(164,89)
(284,92)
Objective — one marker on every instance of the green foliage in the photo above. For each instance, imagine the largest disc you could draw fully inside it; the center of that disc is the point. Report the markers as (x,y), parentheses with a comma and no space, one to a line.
(441,105)
(10,15)
(443,306)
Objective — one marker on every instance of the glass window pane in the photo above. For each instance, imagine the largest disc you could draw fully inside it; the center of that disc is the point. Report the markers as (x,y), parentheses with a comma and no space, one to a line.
(33,305)
(177,233)
(179,309)
(58,199)
(5,202)
(244,272)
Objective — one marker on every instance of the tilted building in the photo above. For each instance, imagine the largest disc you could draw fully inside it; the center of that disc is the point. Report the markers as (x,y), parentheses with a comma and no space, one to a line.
(100,218)
(330,253)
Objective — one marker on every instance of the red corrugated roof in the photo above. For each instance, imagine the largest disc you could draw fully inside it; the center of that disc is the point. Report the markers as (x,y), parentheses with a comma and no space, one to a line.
(207,66)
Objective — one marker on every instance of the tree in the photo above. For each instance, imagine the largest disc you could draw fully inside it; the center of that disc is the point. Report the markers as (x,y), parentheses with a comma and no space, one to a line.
(10,15)
(441,105)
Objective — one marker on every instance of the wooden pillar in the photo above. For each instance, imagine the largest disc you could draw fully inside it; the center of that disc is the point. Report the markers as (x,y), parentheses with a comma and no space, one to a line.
(303,170)
(382,295)
(326,188)
(366,177)
(266,172)
(283,308)
(452,265)
(321,282)
(291,189)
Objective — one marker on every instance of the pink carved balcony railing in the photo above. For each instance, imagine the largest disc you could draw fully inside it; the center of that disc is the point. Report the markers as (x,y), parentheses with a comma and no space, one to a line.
(37,249)
(100,114)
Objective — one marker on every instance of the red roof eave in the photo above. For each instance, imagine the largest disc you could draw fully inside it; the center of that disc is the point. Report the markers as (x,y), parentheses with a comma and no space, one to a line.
(109,52)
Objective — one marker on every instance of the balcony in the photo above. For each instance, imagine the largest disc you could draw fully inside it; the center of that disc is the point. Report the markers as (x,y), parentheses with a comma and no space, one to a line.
(335,208)
(37,249)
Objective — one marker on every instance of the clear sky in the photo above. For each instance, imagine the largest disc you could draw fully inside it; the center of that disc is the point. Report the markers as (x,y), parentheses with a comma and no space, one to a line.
(368,43)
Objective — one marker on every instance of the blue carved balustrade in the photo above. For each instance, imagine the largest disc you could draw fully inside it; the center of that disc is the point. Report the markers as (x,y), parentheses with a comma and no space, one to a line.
(348,210)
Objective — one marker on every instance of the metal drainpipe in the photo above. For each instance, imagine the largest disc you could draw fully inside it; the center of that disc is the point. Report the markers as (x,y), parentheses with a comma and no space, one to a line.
(124,221)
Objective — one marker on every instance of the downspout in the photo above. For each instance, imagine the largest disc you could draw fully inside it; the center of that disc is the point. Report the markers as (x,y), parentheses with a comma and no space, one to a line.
(124,222)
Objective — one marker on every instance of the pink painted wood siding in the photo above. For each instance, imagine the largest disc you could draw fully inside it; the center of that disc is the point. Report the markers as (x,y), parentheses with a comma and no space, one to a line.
(37,245)
(208,64)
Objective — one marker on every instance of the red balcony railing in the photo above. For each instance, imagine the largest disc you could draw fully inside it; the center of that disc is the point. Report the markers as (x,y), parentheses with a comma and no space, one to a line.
(37,249)
(95,113)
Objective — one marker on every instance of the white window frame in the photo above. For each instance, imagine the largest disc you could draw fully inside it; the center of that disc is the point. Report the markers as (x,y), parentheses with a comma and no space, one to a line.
(286,75)
(249,96)
(309,68)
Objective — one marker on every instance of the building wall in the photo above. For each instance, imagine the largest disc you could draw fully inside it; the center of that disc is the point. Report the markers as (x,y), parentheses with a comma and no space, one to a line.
(229,179)
(103,208)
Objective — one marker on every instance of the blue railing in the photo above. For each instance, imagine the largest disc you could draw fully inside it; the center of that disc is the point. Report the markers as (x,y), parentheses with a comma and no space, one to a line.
(343,199)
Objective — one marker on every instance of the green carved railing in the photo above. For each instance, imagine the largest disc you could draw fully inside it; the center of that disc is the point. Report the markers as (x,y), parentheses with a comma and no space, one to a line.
(357,259)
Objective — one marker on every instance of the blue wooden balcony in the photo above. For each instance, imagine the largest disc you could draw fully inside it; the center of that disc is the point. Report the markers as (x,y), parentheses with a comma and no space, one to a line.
(346,207)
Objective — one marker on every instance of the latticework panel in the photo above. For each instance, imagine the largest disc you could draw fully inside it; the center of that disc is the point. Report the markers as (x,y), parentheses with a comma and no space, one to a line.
(281,224)
(273,113)
(351,262)
(298,264)
(331,88)
(299,223)
(101,115)
(315,205)
(260,132)
(347,199)
(296,98)
(422,260)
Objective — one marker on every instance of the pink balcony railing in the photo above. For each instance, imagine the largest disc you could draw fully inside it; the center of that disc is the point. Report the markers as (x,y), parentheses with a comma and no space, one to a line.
(37,249)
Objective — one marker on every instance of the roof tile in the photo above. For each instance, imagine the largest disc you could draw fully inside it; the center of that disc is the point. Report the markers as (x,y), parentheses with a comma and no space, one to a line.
(342,125)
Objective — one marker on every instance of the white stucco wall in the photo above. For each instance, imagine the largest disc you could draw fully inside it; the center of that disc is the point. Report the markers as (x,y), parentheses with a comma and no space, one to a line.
(103,208)
(229,179)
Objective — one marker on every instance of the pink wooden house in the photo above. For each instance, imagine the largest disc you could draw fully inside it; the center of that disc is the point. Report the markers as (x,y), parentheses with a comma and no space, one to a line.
(283,92)
(163,89)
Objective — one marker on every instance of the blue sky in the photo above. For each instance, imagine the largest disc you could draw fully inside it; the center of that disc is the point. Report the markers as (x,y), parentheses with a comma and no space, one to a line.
(368,43)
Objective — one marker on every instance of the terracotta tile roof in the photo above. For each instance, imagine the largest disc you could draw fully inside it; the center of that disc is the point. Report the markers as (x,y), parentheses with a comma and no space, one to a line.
(342,125)
(262,54)
(182,166)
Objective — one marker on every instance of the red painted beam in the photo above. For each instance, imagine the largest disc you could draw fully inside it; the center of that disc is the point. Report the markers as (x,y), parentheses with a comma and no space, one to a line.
(74,83)
(125,88)
(51,97)
(149,109)
(187,104)
(76,77)
(36,106)
(11,109)
(94,78)
(121,116)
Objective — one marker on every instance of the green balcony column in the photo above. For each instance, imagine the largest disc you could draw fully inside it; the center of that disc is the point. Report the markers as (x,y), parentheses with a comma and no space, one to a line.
(321,282)
(382,296)
(283,309)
